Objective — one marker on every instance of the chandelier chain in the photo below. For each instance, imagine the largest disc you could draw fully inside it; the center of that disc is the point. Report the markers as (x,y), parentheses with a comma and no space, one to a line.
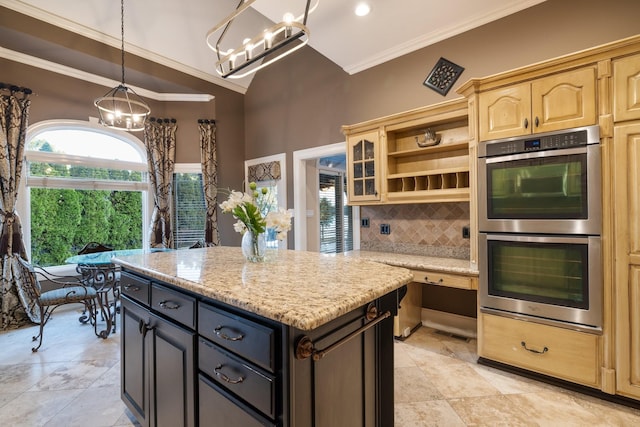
(122,37)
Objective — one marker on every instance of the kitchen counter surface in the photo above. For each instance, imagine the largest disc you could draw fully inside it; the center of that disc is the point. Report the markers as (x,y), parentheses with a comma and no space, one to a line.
(418,262)
(300,289)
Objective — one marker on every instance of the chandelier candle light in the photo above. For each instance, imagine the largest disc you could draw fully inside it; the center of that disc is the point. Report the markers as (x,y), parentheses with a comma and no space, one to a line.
(268,46)
(121,108)
(254,215)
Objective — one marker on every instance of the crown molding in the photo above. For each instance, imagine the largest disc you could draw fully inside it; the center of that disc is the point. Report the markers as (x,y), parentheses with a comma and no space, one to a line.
(99,80)
(434,37)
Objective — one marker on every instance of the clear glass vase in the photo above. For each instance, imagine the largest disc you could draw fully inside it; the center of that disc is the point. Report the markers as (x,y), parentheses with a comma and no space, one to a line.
(253,246)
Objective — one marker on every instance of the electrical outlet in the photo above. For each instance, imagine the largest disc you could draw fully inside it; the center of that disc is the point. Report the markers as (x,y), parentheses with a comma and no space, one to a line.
(466,233)
(385,229)
(364,222)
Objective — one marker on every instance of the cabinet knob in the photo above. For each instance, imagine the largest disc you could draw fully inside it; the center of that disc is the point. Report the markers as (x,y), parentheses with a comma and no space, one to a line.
(526,123)
(537,122)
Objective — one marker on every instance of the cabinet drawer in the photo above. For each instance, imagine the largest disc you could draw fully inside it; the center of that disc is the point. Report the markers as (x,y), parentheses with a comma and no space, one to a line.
(444,279)
(217,408)
(247,339)
(135,287)
(237,376)
(558,352)
(173,304)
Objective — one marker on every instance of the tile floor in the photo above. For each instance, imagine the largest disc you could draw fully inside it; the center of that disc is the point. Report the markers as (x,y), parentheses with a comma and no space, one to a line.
(74,381)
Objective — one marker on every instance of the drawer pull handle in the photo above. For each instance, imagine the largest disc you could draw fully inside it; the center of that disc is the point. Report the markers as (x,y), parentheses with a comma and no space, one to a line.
(132,288)
(225,378)
(224,336)
(544,350)
(430,282)
(169,305)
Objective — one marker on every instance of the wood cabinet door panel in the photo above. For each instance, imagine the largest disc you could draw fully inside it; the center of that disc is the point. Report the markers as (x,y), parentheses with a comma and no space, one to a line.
(172,378)
(627,259)
(134,388)
(363,160)
(626,88)
(564,101)
(505,112)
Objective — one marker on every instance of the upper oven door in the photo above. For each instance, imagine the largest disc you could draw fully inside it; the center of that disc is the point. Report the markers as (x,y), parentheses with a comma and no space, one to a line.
(551,191)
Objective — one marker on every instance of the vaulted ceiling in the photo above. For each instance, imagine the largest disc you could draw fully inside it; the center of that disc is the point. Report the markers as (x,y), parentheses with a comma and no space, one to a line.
(173,33)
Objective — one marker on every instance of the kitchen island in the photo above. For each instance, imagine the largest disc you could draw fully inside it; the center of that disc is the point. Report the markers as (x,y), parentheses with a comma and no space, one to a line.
(302,339)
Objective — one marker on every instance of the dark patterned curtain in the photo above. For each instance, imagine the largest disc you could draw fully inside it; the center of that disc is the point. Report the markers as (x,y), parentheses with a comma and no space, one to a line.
(209,157)
(160,140)
(14,118)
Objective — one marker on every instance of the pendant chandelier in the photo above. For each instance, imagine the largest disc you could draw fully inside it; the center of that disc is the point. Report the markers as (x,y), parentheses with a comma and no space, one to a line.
(263,49)
(121,108)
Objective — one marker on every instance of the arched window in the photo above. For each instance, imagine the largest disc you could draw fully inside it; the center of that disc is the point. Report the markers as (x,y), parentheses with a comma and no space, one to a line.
(82,182)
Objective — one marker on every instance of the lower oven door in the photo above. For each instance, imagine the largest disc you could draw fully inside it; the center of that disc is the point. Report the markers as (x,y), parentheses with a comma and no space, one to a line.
(550,279)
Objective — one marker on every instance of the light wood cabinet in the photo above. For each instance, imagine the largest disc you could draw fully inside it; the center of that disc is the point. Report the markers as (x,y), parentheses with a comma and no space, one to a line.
(559,101)
(363,158)
(553,351)
(388,164)
(435,174)
(451,280)
(626,93)
(595,86)
(627,258)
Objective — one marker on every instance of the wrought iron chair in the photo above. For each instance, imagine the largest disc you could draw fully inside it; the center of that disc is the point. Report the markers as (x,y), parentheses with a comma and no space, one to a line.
(94,247)
(47,302)
(105,280)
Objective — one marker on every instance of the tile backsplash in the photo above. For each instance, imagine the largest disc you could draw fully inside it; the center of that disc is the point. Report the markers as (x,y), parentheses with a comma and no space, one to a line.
(420,229)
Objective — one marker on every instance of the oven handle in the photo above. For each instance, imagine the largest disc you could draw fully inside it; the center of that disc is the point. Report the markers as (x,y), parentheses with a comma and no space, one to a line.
(539,154)
(547,238)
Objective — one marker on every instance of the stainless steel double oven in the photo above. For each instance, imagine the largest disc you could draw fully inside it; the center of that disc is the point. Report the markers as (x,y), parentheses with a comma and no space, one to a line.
(540,221)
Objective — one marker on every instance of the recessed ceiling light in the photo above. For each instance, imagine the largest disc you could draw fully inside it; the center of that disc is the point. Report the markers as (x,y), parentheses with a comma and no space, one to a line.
(362,9)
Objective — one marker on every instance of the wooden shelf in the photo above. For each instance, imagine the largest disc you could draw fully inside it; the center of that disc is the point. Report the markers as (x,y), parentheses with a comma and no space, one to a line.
(427,172)
(429,150)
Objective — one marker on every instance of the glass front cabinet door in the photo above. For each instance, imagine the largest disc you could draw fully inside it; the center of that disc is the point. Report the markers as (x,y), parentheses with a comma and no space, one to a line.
(363,159)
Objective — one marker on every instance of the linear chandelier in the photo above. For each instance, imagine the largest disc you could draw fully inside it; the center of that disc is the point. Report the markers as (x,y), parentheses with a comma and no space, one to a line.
(267,47)
(121,108)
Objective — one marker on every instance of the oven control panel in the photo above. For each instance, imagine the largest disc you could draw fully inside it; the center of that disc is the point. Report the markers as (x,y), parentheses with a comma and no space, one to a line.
(547,141)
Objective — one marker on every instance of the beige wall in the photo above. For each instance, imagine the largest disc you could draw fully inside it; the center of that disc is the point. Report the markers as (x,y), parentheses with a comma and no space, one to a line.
(61,97)
(301,101)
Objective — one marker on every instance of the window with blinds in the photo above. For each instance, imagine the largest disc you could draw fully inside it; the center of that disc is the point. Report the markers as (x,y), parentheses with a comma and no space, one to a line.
(189,209)
(336,224)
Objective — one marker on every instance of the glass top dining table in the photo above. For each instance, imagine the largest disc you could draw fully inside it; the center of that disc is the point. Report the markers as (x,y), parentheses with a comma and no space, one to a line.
(97,270)
(104,258)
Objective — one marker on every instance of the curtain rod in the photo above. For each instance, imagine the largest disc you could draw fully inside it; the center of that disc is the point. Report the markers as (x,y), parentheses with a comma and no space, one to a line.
(161,120)
(15,88)
(207,121)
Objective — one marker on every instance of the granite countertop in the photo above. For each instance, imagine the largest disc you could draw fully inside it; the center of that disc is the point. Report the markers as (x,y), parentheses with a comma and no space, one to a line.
(418,262)
(300,289)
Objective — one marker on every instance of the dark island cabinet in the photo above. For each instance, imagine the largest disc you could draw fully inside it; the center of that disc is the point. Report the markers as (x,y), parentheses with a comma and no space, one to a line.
(188,360)
(157,368)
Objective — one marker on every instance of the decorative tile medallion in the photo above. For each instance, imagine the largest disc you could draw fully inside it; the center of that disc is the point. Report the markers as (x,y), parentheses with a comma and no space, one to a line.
(443,76)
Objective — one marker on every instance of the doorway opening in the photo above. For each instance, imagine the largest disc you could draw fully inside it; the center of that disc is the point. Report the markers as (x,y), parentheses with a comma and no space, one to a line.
(308,166)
